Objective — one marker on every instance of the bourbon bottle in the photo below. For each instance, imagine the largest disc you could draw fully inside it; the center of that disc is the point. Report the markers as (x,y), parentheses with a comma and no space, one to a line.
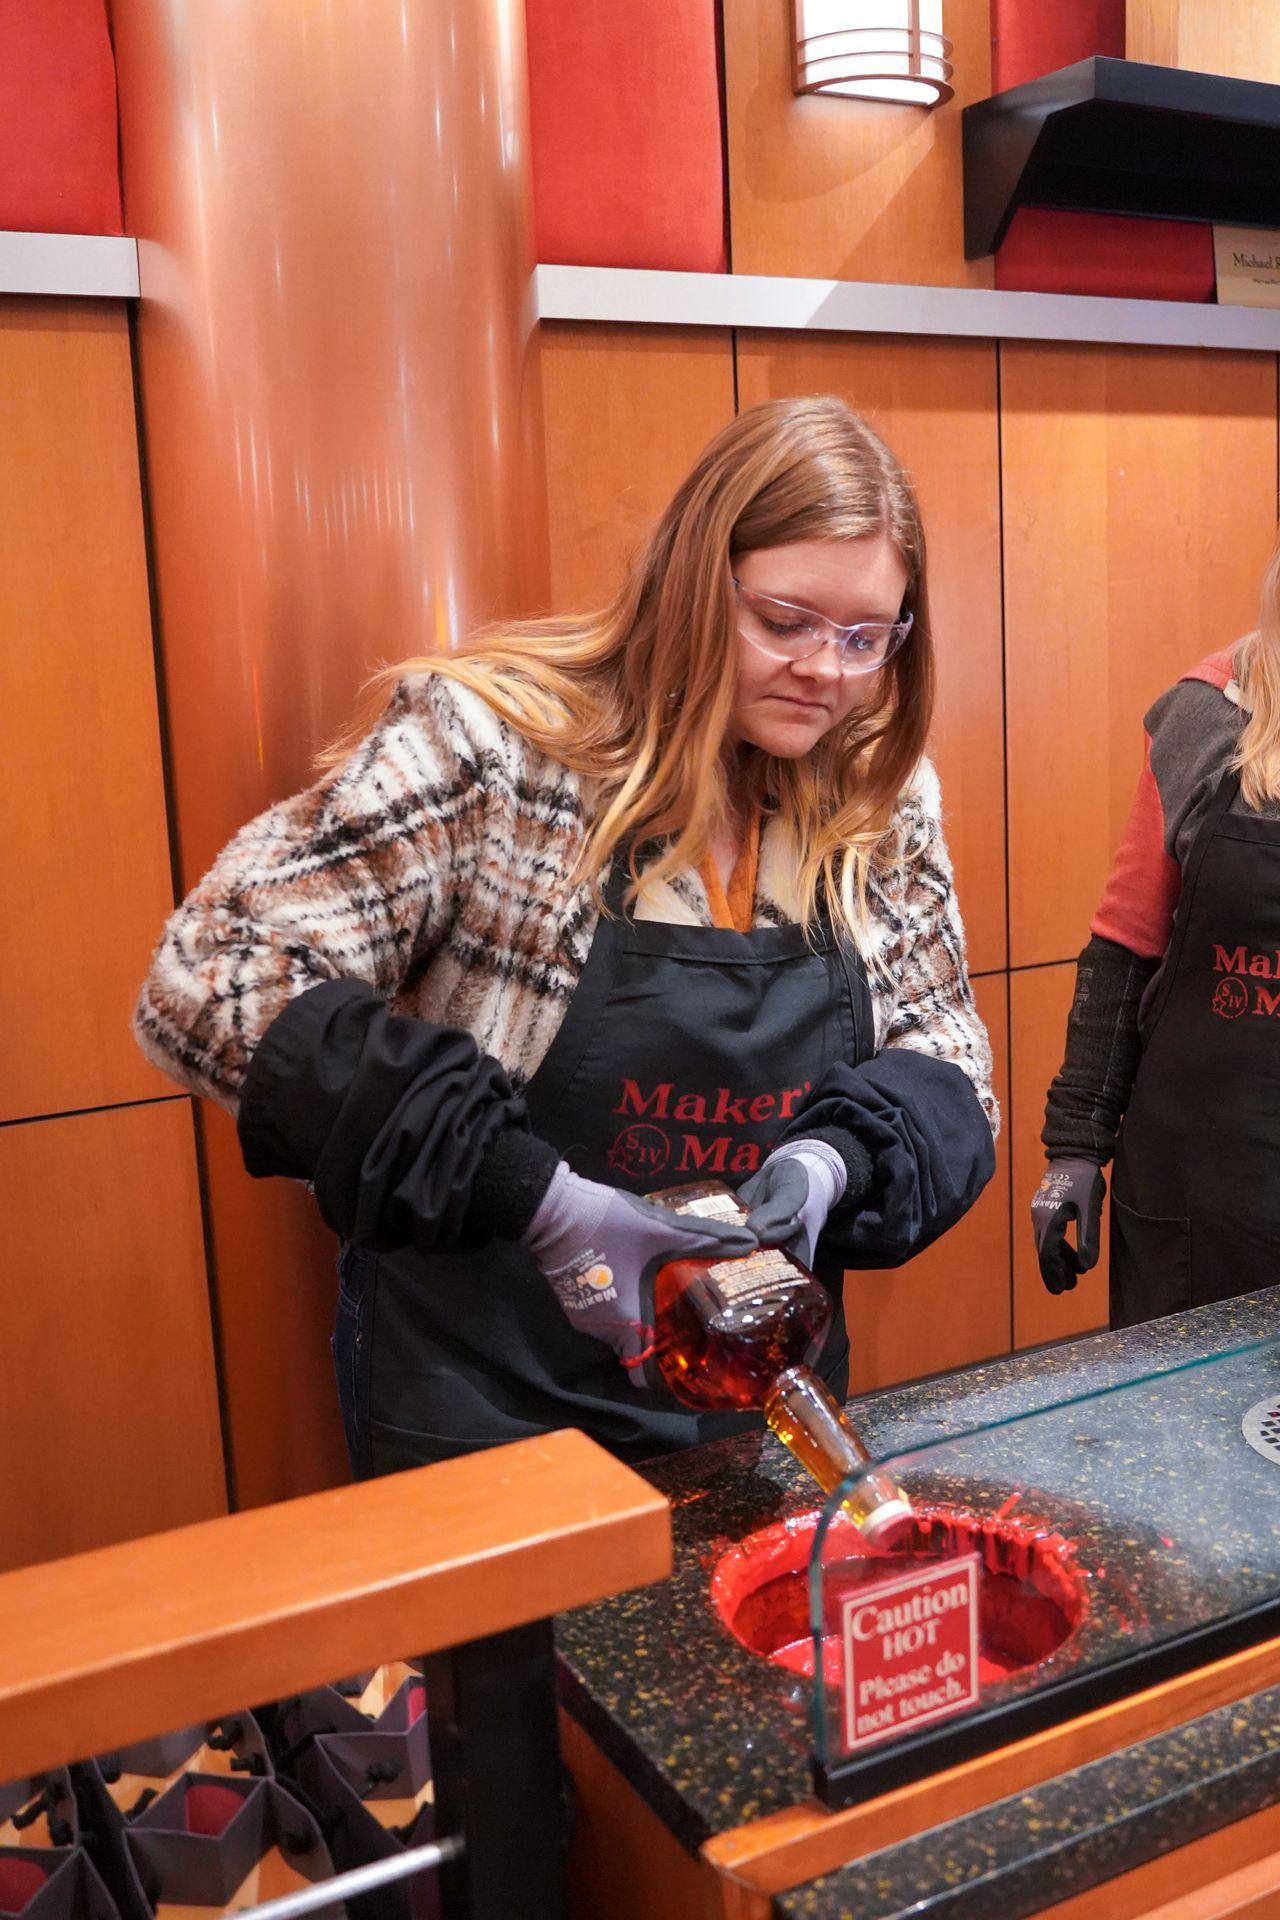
(744,1333)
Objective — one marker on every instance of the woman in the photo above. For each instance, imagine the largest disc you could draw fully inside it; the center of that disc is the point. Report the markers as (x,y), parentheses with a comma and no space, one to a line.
(599,906)
(1173,1044)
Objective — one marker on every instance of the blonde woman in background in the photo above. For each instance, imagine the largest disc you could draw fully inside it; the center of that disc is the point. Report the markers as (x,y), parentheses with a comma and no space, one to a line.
(1173,1040)
(600,905)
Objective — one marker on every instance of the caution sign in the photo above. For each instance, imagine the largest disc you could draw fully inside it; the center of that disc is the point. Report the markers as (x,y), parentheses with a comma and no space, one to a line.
(910,1651)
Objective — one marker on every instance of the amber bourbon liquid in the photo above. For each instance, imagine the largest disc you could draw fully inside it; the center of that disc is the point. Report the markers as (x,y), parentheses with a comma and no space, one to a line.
(807,1419)
(725,1329)
(743,1333)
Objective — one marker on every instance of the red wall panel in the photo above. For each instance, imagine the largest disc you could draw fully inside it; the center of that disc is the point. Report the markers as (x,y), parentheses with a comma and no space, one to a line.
(1048,252)
(625,110)
(1031,37)
(59,170)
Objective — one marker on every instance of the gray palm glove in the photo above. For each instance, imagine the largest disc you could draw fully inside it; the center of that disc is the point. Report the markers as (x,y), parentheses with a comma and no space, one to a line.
(1071,1190)
(601,1248)
(789,1199)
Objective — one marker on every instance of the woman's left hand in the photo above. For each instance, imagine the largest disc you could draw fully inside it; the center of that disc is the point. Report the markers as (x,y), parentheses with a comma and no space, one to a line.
(791,1196)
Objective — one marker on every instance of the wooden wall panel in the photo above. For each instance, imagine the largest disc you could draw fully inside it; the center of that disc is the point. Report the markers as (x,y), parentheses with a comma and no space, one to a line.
(82,811)
(846,189)
(935,402)
(1238,37)
(108,1411)
(277,1292)
(1039,1000)
(627,411)
(1139,509)
(950,1306)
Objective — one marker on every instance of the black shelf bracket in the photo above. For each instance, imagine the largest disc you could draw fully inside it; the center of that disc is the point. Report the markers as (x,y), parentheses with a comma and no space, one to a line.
(1119,136)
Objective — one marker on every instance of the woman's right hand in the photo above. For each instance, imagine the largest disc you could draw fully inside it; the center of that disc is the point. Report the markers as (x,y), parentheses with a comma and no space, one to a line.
(1071,1190)
(600,1249)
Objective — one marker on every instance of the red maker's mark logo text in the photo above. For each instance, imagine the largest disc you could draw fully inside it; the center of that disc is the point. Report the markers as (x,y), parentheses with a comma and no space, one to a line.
(658,1138)
(1241,971)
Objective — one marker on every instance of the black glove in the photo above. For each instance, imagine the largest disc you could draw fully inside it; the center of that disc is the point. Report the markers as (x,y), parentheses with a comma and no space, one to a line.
(1071,1190)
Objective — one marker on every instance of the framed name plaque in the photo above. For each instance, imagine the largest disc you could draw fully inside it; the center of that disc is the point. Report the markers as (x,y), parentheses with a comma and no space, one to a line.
(1247,263)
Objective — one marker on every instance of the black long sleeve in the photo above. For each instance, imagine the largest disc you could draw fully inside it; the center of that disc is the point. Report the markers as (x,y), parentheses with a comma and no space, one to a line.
(926,1153)
(409,1134)
(1087,1099)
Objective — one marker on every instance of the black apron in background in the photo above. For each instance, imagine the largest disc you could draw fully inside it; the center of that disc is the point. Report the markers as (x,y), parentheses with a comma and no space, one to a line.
(1196,1193)
(683,1054)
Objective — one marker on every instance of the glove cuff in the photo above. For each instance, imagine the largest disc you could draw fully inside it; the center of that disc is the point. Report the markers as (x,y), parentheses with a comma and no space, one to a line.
(859,1172)
(510,1185)
(826,1163)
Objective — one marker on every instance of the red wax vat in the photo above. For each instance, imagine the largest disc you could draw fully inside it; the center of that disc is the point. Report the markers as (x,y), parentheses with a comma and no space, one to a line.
(1030,1596)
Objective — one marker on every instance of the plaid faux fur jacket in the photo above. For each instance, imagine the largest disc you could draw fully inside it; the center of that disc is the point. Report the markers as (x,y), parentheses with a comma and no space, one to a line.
(434,865)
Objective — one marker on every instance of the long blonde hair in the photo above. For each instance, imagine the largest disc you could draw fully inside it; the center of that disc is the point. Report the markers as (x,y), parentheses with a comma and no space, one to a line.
(637,697)
(1258,674)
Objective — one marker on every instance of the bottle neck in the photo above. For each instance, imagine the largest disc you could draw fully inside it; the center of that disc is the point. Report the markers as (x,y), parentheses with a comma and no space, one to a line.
(807,1418)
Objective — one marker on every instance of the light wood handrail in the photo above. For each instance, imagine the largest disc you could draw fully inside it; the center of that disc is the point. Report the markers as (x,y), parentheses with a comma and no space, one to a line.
(116,1645)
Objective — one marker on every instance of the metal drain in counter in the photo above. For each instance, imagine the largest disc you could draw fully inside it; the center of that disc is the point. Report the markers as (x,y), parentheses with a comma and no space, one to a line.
(1261,1427)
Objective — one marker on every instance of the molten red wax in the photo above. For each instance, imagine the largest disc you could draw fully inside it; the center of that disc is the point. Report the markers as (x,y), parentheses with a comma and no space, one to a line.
(1030,1598)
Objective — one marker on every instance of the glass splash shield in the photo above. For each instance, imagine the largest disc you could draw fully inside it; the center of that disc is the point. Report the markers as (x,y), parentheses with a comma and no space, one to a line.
(1055,1560)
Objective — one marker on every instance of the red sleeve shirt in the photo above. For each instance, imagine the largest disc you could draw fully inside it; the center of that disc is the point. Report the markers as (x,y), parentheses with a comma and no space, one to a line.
(1186,750)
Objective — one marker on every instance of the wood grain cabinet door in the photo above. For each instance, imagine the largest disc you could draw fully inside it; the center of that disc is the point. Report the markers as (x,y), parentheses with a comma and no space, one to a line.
(1139,510)
(84,846)
(627,412)
(108,1404)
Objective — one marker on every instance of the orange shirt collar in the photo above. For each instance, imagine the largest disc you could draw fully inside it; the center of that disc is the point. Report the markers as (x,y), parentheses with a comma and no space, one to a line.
(735,908)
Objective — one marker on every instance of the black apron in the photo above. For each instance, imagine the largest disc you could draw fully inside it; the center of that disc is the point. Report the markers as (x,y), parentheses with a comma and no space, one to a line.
(683,1054)
(1195,1214)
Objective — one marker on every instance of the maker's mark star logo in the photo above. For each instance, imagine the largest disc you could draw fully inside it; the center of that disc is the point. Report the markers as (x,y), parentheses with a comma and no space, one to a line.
(1230,999)
(640,1152)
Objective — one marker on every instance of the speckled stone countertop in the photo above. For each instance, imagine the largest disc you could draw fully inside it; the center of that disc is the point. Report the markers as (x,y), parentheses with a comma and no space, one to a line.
(1026,1853)
(1178,1521)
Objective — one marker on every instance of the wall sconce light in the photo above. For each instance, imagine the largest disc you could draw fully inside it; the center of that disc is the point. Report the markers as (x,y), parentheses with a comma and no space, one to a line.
(873,50)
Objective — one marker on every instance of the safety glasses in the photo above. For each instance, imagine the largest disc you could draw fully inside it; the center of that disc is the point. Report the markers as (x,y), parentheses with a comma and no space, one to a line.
(787,632)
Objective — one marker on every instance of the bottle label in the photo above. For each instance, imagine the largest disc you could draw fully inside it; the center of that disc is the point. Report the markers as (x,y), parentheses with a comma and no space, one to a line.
(767,1273)
(714,1206)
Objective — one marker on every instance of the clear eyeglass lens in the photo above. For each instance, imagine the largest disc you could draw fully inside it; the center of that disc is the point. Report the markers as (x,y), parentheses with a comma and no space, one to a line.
(791,634)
